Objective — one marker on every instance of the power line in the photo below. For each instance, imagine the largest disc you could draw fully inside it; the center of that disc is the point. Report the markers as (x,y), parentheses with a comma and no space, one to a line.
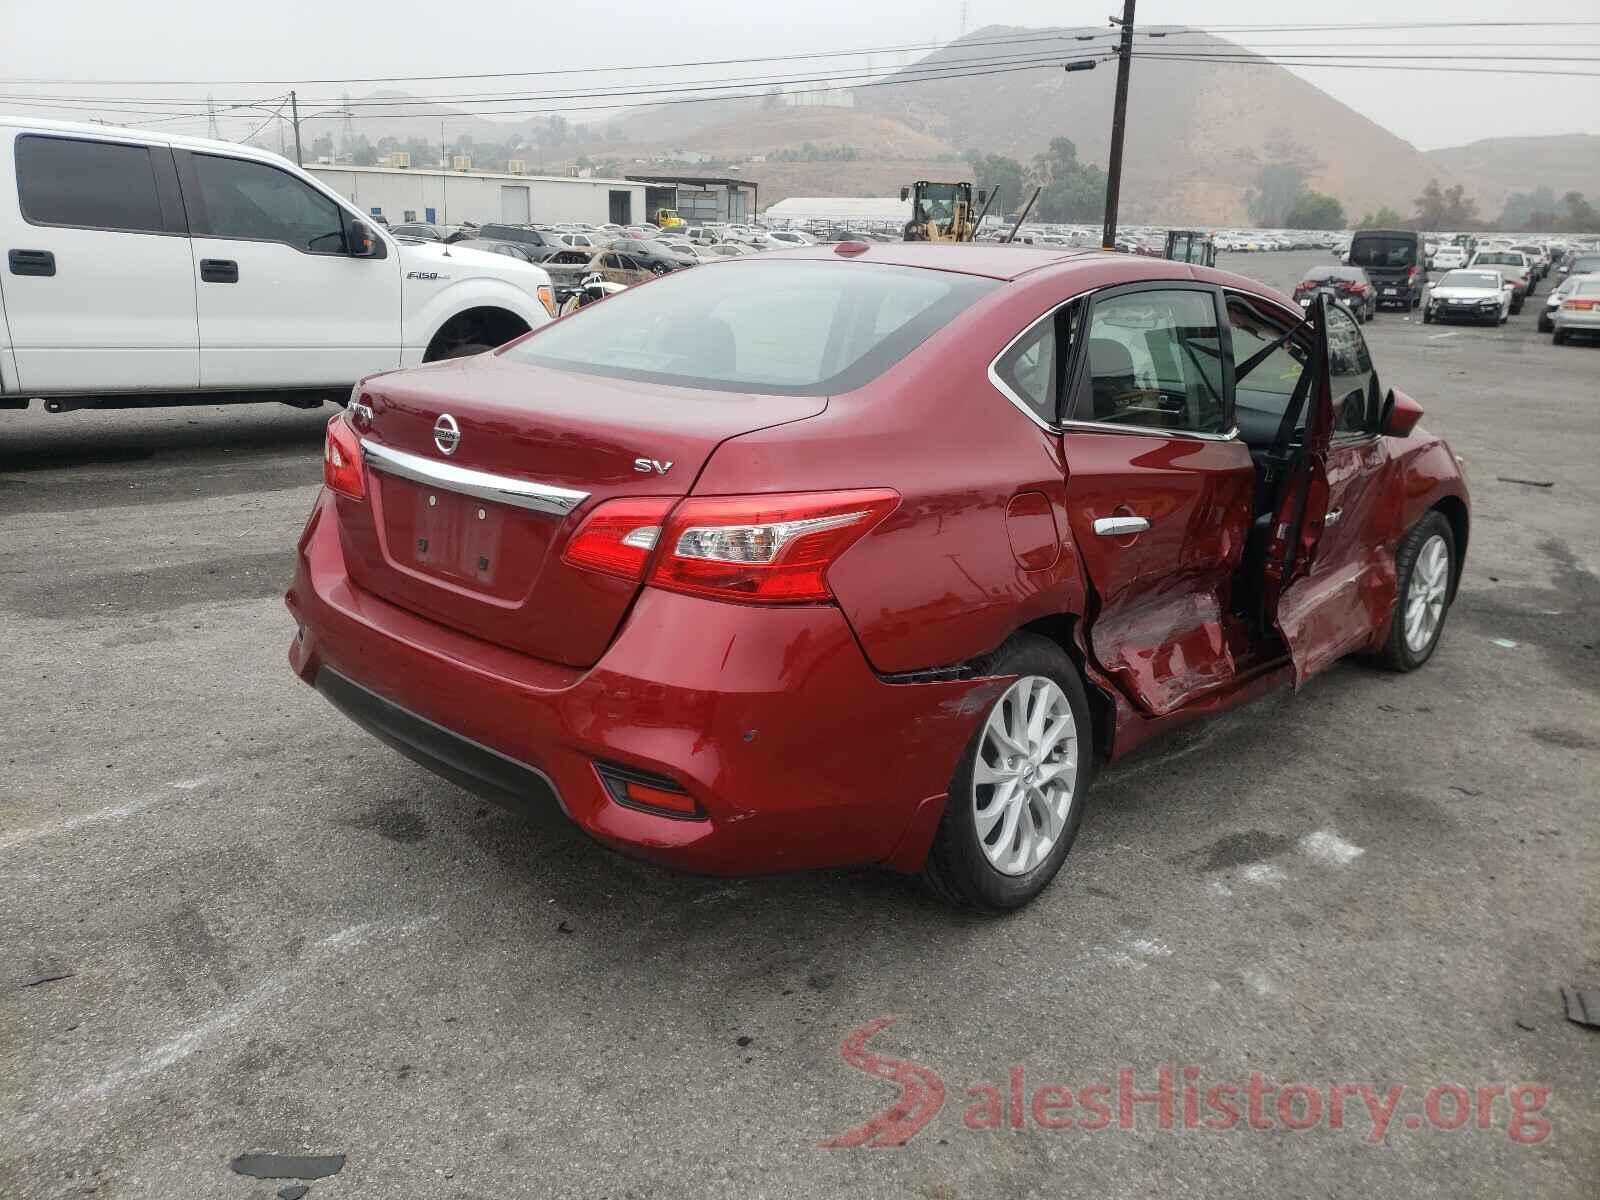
(1065,34)
(1352,66)
(1057,36)
(667,86)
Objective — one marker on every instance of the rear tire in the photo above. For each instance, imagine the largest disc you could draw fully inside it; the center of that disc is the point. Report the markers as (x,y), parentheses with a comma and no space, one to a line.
(1558,338)
(1427,316)
(1425,563)
(999,865)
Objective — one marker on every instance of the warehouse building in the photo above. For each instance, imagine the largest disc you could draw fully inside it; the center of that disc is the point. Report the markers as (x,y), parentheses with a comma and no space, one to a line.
(698,198)
(450,197)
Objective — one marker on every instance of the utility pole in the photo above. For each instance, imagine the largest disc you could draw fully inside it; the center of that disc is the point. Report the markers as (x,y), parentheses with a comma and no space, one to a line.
(294,107)
(1119,119)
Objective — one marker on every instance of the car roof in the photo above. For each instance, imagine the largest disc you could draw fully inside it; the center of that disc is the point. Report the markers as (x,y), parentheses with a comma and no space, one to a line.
(989,259)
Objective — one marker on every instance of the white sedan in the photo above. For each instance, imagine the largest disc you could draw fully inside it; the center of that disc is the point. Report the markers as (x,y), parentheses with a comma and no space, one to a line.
(1449,258)
(1477,295)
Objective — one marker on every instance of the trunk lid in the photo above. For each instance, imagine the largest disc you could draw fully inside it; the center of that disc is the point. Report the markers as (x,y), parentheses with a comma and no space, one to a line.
(473,539)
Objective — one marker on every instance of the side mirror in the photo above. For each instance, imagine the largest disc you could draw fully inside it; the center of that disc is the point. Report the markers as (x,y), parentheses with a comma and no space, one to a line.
(905,193)
(364,243)
(983,195)
(1400,415)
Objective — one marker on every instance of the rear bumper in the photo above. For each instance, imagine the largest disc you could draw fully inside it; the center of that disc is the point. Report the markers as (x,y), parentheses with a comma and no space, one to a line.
(1579,322)
(770,718)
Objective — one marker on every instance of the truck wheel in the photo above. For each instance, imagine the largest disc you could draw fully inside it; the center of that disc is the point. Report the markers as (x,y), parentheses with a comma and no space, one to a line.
(1017,796)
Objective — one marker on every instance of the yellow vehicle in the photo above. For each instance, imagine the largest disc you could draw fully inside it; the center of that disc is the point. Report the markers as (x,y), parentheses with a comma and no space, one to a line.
(941,212)
(667,218)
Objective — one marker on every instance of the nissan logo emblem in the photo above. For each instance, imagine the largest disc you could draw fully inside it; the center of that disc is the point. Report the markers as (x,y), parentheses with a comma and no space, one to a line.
(446,434)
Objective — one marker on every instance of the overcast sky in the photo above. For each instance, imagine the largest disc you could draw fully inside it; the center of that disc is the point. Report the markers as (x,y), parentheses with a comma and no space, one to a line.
(86,40)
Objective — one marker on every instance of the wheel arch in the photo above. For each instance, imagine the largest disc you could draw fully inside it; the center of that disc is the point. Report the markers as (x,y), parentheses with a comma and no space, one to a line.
(494,323)
(1064,630)
(1454,510)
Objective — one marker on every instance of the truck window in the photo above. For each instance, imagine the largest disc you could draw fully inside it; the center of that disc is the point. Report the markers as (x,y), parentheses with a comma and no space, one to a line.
(255,202)
(90,185)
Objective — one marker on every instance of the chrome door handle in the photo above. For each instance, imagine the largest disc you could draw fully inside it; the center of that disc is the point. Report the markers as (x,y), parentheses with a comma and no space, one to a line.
(1120,526)
(1333,517)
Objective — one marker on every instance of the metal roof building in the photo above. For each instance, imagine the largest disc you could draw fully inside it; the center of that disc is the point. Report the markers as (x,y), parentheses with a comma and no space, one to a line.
(444,197)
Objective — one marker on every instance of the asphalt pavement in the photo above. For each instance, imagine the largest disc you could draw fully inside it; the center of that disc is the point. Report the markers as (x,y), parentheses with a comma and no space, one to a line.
(235,923)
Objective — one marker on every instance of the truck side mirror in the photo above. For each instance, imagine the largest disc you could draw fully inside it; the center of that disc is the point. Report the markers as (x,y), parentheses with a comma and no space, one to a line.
(1400,415)
(983,195)
(364,243)
(905,193)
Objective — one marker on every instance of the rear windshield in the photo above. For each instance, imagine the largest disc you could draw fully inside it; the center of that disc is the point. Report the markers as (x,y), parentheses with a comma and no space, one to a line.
(1470,279)
(1379,251)
(1504,258)
(788,328)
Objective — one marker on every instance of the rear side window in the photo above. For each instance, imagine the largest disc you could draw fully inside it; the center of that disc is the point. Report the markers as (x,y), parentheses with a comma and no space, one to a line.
(786,328)
(252,201)
(1033,367)
(92,185)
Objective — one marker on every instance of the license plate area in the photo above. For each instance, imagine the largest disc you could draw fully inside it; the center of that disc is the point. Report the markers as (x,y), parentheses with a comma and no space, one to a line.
(491,549)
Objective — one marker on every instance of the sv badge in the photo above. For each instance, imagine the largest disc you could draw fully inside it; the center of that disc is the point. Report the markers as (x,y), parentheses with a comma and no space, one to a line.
(651,466)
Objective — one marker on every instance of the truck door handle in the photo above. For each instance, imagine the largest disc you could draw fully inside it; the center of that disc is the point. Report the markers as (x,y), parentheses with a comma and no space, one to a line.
(1333,517)
(219,270)
(31,262)
(1120,526)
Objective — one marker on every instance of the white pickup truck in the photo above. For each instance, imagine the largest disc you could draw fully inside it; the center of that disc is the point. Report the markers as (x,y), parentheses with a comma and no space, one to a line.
(144,269)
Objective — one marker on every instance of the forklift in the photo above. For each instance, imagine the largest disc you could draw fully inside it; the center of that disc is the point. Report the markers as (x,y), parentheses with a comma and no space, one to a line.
(942,212)
(1191,246)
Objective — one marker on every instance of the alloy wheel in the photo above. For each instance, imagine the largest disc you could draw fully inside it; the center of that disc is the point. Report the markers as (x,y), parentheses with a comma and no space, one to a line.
(1024,779)
(1425,598)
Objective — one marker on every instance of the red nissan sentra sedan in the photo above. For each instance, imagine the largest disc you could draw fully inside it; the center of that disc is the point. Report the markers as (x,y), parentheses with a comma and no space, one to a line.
(867,554)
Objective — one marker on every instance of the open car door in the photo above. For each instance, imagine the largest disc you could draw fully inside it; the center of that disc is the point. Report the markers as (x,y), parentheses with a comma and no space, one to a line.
(1302,508)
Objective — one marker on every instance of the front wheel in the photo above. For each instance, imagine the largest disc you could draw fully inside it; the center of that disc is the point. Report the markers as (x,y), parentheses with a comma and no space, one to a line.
(1425,566)
(1017,796)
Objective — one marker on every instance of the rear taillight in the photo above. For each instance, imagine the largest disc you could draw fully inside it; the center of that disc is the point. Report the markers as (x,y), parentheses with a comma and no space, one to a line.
(618,537)
(341,460)
(1358,289)
(765,549)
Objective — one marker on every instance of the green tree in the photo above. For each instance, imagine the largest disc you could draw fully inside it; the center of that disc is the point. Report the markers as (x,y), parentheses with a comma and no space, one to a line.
(1073,191)
(1384,218)
(1313,210)
(1278,188)
(1445,208)
(1529,210)
(994,171)
(1580,216)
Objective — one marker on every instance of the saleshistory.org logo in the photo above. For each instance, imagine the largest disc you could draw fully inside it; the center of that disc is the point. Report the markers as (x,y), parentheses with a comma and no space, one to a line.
(1179,1096)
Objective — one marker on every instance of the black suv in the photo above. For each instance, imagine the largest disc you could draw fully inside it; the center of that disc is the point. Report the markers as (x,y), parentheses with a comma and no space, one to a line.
(538,244)
(1393,260)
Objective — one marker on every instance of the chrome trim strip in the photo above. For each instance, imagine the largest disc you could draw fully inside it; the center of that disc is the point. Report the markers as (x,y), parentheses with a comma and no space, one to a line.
(523,493)
(1149,431)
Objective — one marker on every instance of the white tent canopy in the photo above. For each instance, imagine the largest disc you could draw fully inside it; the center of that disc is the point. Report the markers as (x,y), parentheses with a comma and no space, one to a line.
(844,209)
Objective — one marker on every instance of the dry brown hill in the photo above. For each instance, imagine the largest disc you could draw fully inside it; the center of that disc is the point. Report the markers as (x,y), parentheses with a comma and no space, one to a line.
(1494,168)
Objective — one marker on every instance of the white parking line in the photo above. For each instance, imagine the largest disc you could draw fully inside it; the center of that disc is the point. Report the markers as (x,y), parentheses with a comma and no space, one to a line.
(219,1020)
(1434,337)
(114,813)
